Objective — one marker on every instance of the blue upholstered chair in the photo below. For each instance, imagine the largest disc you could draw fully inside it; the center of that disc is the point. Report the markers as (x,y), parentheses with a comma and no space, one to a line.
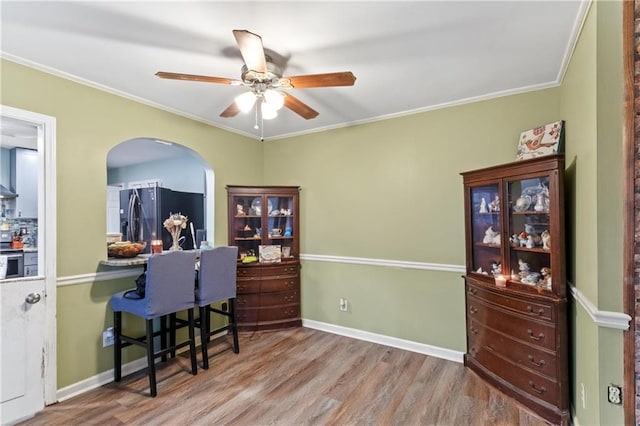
(169,288)
(217,282)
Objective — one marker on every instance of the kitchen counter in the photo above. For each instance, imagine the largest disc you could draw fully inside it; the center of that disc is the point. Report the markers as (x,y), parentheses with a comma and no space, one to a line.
(140,259)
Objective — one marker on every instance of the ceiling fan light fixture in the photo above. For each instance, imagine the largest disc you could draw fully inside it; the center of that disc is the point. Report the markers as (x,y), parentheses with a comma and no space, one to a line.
(274,98)
(268,112)
(245,101)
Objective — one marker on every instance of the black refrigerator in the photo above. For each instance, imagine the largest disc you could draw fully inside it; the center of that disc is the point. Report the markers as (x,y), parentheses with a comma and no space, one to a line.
(143,211)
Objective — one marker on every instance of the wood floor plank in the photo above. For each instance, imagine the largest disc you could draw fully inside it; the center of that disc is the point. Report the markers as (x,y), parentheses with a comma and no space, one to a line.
(297,377)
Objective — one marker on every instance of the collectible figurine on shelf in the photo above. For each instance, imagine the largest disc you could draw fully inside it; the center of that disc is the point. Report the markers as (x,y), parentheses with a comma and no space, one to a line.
(546,240)
(522,239)
(494,206)
(545,281)
(483,206)
(515,241)
(491,236)
(481,271)
(524,269)
(496,268)
(239,210)
(530,243)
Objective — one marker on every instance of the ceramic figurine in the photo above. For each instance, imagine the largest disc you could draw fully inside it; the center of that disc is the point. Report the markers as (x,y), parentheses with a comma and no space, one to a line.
(515,241)
(490,236)
(531,278)
(540,204)
(545,281)
(239,210)
(530,243)
(494,206)
(524,269)
(496,268)
(483,206)
(522,239)
(287,231)
(546,240)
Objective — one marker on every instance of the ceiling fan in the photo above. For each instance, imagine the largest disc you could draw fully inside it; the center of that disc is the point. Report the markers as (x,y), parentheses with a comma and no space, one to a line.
(265,80)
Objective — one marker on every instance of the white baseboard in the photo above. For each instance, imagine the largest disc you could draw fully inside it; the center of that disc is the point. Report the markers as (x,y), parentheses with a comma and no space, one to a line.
(106,377)
(394,342)
(99,380)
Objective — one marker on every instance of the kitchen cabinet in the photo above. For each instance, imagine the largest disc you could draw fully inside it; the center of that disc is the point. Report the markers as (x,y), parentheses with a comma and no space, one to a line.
(264,223)
(515,282)
(30,264)
(24,182)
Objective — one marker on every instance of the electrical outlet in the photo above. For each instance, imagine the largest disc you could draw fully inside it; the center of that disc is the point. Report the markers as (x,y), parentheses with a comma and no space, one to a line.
(614,394)
(344,304)
(108,337)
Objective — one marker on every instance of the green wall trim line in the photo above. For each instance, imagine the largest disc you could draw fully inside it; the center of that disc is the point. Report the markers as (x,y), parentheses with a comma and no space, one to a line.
(608,319)
(459,269)
(380,339)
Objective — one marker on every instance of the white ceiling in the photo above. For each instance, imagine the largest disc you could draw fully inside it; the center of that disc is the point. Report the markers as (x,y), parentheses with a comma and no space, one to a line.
(407,56)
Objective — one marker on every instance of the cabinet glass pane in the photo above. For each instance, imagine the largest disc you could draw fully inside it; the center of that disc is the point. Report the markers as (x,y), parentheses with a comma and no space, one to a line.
(529,227)
(280,227)
(486,229)
(247,224)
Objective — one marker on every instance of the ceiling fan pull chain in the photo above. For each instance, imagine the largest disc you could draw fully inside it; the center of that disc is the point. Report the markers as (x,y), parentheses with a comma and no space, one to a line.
(255,126)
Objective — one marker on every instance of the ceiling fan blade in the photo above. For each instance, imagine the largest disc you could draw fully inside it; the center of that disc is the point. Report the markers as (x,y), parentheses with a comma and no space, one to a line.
(320,80)
(299,107)
(192,77)
(231,111)
(252,51)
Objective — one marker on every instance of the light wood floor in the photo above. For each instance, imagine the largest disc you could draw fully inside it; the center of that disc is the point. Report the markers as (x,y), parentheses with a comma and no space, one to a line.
(297,377)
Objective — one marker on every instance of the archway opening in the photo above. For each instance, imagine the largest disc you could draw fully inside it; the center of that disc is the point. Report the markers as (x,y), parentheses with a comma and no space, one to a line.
(149,179)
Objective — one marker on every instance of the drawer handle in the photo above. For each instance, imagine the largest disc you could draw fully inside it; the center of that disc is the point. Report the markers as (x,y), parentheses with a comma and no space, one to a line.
(242,287)
(473,330)
(290,284)
(289,298)
(473,310)
(540,390)
(533,361)
(472,291)
(538,337)
(531,311)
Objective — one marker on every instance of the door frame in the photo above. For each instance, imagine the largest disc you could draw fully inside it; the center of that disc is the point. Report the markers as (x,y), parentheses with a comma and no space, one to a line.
(47,240)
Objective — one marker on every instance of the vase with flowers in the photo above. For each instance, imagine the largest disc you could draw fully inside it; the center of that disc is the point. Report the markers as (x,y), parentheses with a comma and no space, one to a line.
(175,223)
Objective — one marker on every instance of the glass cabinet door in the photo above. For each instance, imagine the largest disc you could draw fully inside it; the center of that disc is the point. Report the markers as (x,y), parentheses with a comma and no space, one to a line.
(530,231)
(247,224)
(280,229)
(486,229)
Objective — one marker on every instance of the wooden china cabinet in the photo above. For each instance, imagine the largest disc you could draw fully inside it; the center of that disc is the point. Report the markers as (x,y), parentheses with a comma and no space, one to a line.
(515,284)
(264,224)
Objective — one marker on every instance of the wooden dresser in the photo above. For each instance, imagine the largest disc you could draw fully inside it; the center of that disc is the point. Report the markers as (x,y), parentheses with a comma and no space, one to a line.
(264,223)
(515,285)
(268,296)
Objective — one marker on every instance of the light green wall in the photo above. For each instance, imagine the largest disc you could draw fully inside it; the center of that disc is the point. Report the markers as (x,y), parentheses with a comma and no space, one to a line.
(89,123)
(392,190)
(592,103)
(384,190)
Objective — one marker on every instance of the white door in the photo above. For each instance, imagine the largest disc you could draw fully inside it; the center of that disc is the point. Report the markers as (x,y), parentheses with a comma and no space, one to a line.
(28,305)
(21,349)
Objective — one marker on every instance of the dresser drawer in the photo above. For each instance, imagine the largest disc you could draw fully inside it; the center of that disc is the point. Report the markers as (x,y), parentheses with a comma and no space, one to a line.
(260,271)
(248,286)
(536,385)
(268,299)
(259,315)
(535,309)
(526,356)
(279,284)
(527,330)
